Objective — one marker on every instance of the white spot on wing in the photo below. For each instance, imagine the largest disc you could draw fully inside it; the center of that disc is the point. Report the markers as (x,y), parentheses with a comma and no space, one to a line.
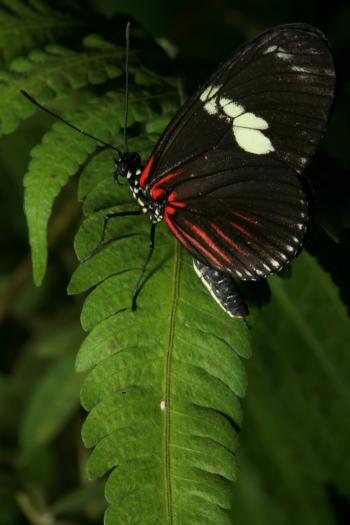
(282,54)
(249,120)
(211,107)
(230,108)
(275,263)
(209,93)
(246,126)
(270,49)
(252,141)
(162,405)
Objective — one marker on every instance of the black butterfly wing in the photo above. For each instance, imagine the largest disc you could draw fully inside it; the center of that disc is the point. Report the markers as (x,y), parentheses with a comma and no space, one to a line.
(277,88)
(247,219)
(228,163)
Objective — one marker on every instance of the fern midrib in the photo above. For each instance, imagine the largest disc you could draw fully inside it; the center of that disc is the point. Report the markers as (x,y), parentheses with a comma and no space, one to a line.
(167,381)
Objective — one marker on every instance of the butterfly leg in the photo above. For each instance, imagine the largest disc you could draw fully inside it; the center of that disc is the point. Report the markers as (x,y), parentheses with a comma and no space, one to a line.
(106,219)
(143,269)
(223,288)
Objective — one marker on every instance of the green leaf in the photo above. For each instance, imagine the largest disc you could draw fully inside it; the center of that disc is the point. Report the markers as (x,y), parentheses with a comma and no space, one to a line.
(48,73)
(63,151)
(54,400)
(164,391)
(53,162)
(25,25)
(297,420)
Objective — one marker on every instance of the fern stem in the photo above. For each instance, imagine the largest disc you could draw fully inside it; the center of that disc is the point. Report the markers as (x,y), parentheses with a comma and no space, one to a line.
(167,382)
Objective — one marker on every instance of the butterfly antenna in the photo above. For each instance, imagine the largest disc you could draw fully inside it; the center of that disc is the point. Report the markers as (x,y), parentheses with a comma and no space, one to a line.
(127,41)
(58,117)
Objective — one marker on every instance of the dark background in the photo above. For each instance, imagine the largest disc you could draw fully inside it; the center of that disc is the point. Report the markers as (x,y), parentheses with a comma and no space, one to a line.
(295,462)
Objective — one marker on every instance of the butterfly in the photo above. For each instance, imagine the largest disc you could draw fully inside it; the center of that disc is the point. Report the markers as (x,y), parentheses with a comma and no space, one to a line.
(226,175)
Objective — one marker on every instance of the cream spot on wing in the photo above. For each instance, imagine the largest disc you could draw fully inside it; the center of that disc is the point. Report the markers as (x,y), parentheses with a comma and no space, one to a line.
(246,125)
(211,107)
(252,140)
(162,405)
(249,120)
(209,92)
(230,108)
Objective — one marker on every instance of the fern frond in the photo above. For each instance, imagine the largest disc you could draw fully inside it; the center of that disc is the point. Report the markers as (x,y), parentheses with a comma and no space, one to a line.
(166,381)
(54,71)
(25,25)
(164,389)
(63,151)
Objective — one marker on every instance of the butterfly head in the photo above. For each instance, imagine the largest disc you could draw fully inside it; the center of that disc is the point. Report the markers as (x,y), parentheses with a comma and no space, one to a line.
(127,166)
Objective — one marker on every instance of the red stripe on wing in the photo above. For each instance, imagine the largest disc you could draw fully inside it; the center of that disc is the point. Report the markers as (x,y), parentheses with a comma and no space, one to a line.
(228,239)
(176,231)
(145,173)
(241,229)
(189,241)
(157,191)
(252,220)
(173,204)
(208,241)
(169,210)
(172,200)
